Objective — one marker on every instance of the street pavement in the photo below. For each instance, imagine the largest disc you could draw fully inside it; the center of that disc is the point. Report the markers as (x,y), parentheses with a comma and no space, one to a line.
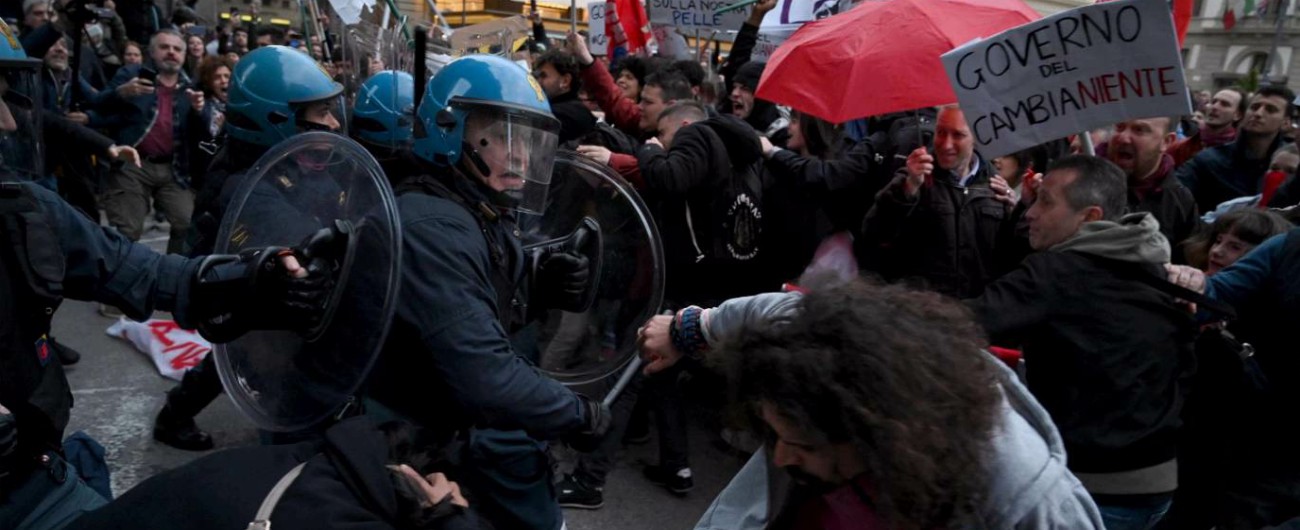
(118,392)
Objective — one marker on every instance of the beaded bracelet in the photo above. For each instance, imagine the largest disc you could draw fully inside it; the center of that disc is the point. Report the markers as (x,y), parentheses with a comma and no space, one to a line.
(687,331)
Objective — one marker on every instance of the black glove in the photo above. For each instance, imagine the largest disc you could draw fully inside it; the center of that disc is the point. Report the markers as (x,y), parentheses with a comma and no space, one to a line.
(236,294)
(561,281)
(599,418)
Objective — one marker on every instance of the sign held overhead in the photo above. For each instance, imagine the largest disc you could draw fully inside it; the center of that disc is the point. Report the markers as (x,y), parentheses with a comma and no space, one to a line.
(1074,71)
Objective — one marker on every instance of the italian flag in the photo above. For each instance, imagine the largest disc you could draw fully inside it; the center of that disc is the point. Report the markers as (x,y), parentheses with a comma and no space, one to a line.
(1236,9)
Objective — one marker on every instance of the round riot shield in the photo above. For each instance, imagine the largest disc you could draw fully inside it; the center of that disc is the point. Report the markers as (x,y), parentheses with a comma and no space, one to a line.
(590,209)
(287,380)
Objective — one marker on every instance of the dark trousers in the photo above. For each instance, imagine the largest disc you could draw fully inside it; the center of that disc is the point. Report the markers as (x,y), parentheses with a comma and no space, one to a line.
(199,386)
(593,468)
(664,392)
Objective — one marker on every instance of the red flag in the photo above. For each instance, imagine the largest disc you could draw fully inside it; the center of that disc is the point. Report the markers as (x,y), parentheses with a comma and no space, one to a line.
(1272,181)
(1182,18)
(1229,19)
(631,15)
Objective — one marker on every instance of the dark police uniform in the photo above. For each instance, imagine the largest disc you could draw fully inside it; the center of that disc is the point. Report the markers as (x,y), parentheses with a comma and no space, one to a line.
(449,364)
(48,251)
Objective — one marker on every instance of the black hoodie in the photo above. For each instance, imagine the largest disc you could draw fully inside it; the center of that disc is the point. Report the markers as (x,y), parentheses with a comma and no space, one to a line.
(700,176)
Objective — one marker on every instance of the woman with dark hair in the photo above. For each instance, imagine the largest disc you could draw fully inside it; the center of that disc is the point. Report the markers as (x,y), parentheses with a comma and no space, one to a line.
(206,135)
(1217,391)
(194,52)
(878,402)
(631,71)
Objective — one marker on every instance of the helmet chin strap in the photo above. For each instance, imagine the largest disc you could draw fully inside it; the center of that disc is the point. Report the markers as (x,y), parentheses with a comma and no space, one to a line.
(469,153)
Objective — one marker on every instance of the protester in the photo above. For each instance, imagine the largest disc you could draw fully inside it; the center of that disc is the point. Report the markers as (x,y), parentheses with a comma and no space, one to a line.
(1104,351)
(1234,170)
(559,74)
(194,53)
(765,117)
(206,135)
(1221,115)
(797,366)
(1140,149)
(35,14)
(132,54)
(1014,168)
(153,115)
(944,218)
(619,99)
(1259,467)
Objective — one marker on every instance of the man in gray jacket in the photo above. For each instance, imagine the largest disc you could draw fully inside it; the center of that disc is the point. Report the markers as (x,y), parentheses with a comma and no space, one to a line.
(954,440)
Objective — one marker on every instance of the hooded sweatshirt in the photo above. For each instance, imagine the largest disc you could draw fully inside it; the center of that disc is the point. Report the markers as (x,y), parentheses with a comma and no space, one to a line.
(1029,486)
(1106,354)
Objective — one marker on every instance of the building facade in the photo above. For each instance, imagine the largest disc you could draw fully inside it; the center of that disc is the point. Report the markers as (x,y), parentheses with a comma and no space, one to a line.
(1214,57)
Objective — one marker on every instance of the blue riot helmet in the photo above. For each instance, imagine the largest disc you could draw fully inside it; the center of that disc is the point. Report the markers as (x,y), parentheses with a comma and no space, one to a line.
(385,111)
(489,111)
(276,92)
(21,149)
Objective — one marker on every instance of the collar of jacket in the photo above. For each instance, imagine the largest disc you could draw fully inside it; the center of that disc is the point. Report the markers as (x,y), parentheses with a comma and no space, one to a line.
(979,176)
(1135,238)
(1155,183)
(476,191)
(1239,147)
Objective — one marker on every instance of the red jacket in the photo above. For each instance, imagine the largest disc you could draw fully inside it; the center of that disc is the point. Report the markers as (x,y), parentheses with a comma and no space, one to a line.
(620,111)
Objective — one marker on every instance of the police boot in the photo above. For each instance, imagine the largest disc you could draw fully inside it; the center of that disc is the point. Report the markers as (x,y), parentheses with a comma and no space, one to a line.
(180,431)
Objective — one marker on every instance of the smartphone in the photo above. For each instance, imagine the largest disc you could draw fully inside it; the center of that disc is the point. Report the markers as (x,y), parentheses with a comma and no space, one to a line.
(148,74)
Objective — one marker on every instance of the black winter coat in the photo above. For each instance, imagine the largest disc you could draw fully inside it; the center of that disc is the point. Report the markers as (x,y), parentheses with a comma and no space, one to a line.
(957,239)
(344,485)
(1105,354)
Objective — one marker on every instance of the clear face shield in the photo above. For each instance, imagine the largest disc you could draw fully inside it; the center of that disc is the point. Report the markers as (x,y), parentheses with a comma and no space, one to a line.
(517,148)
(21,150)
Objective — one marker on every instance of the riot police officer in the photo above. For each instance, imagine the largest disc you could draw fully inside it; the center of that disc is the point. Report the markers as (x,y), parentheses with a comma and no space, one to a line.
(48,251)
(275,92)
(382,121)
(485,139)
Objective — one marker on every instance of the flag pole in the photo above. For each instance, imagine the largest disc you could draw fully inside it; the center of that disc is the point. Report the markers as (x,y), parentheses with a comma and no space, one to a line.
(1277,39)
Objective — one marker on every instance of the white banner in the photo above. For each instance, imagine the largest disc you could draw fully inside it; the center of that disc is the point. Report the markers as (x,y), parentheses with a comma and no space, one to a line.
(696,14)
(789,15)
(598,43)
(1074,71)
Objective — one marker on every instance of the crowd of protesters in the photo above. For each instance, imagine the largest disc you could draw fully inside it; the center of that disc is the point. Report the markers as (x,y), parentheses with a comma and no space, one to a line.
(1112,397)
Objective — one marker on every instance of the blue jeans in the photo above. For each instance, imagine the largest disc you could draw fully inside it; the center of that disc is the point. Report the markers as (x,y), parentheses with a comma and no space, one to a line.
(1134,517)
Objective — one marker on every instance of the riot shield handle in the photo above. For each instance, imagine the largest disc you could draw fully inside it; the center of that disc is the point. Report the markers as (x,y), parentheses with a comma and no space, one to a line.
(331,251)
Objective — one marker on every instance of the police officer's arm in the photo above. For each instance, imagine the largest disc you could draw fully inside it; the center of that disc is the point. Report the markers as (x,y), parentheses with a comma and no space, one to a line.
(103,265)
(447,295)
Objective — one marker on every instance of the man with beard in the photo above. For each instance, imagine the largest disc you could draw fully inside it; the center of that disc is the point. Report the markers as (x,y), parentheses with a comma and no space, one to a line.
(1222,113)
(1139,148)
(1236,169)
(149,108)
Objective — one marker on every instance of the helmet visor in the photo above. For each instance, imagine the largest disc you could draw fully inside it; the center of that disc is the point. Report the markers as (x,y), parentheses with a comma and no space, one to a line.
(518,149)
(21,150)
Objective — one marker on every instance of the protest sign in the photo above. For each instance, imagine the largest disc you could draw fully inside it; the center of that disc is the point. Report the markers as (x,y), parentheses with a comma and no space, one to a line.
(599,43)
(672,45)
(696,14)
(788,15)
(1074,71)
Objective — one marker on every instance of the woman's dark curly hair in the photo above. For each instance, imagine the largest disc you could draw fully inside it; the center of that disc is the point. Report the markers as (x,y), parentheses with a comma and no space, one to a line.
(896,373)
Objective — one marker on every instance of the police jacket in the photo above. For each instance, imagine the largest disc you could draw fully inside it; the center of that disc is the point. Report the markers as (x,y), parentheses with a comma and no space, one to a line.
(129,120)
(51,251)
(955,238)
(449,363)
(219,183)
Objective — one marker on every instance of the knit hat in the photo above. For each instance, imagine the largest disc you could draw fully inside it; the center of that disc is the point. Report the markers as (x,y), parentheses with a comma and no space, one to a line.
(29,4)
(748,75)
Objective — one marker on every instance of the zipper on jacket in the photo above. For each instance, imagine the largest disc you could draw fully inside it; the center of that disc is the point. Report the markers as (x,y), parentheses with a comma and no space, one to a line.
(690,227)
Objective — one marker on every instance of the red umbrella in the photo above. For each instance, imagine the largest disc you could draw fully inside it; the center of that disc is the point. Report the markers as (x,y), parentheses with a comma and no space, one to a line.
(882,56)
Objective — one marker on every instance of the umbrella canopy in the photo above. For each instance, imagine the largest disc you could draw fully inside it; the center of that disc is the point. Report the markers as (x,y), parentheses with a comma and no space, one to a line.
(882,56)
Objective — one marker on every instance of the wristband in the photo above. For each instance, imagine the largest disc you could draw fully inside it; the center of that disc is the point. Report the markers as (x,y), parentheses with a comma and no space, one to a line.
(687,332)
